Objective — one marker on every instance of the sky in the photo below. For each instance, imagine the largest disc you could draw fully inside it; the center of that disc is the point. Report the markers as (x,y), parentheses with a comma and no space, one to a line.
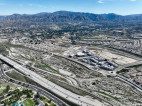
(122,7)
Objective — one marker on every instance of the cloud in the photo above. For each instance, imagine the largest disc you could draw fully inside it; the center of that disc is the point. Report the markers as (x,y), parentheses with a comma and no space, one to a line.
(132,0)
(37,5)
(100,1)
(103,1)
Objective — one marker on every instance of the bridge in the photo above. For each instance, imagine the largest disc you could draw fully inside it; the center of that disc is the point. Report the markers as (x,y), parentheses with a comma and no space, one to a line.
(62,92)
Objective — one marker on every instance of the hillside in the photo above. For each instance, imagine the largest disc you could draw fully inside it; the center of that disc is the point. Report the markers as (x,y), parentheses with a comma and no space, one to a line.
(66,17)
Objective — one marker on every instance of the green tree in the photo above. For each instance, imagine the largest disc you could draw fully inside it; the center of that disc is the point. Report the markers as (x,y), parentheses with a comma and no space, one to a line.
(42,98)
(46,104)
(37,95)
(49,101)
(7,88)
(5,104)
(36,102)
(29,95)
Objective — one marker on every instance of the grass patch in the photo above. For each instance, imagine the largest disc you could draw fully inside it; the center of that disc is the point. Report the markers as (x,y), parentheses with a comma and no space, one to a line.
(2,90)
(11,45)
(135,66)
(96,75)
(122,71)
(5,45)
(47,66)
(40,65)
(30,59)
(15,75)
(115,98)
(49,102)
(3,50)
(68,87)
(29,102)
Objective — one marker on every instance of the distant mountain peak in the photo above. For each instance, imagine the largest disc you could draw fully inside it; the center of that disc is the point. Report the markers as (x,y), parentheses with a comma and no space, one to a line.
(64,17)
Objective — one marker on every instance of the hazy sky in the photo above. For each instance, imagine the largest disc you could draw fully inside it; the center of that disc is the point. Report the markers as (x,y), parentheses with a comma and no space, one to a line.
(122,7)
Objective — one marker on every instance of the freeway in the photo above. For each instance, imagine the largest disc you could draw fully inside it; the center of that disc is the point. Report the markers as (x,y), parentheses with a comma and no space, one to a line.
(32,87)
(62,92)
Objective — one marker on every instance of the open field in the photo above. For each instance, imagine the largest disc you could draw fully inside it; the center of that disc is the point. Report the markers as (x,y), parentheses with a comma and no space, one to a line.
(3,84)
(15,75)
(47,66)
(1,90)
(29,102)
(121,60)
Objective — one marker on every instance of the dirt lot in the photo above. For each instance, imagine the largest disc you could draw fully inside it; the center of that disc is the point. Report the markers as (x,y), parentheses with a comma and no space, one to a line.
(121,60)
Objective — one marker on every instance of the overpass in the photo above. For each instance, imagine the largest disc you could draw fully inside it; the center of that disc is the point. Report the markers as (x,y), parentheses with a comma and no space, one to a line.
(32,87)
(62,92)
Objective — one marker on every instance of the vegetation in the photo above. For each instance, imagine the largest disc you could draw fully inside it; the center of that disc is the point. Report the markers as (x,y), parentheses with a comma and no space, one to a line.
(115,98)
(135,66)
(36,102)
(68,87)
(96,75)
(6,46)
(46,104)
(123,71)
(29,102)
(46,101)
(2,90)
(47,66)
(30,59)
(3,49)
(7,88)
(14,96)
(37,95)
(39,64)
(15,75)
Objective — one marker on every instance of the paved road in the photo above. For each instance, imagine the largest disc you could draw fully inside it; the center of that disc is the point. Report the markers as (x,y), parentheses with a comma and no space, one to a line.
(32,87)
(127,65)
(124,79)
(66,94)
(40,102)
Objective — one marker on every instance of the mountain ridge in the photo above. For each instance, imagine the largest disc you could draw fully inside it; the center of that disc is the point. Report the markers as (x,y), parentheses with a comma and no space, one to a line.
(67,17)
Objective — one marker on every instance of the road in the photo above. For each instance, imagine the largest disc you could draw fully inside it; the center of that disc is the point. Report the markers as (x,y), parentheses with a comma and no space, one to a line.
(40,102)
(62,92)
(125,66)
(129,82)
(126,80)
(32,87)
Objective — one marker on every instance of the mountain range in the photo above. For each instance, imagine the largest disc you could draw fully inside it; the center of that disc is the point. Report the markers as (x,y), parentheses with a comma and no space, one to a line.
(67,17)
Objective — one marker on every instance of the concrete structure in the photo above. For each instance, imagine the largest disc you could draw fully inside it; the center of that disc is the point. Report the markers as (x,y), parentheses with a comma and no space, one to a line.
(47,94)
(68,95)
(18,104)
(96,61)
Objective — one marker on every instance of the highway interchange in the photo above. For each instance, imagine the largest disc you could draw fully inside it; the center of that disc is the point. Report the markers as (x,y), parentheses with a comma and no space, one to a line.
(74,98)
(32,87)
